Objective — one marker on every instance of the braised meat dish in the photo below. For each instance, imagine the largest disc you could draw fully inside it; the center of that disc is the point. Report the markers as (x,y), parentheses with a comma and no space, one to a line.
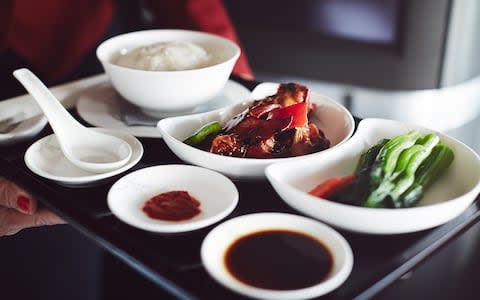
(273,127)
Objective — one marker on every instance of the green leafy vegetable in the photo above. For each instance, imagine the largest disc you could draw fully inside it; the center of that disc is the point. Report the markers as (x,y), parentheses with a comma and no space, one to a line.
(387,157)
(368,157)
(359,188)
(398,181)
(396,172)
(438,161)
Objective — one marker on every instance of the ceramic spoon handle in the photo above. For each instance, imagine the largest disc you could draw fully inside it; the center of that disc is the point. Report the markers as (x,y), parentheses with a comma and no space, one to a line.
(58,117)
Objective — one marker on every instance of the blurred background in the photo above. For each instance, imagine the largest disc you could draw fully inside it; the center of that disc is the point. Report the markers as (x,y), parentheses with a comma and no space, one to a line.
(401,59)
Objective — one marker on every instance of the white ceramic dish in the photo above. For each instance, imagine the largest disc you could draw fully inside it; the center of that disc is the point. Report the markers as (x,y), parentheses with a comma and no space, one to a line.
(221,237)
(27,123)
(161,92)
(23,130)
(87,149)
(100,106)
(335,121)
(216,193)
(448,197)
(46,159)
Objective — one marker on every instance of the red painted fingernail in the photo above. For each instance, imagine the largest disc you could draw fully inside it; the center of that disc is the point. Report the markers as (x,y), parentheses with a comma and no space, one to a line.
(23,203)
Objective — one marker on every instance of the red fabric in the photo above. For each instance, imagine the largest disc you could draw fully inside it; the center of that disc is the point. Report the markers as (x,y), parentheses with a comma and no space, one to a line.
(54,35)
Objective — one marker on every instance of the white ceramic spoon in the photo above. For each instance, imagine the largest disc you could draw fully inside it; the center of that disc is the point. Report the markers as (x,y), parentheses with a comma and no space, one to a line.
(87,149)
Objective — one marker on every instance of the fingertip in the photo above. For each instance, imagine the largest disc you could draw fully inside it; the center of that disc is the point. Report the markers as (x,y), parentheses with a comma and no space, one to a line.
(12,196)
(26,204)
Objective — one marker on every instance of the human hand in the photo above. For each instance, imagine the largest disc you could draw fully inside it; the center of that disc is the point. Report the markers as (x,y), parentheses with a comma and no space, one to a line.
(19,210)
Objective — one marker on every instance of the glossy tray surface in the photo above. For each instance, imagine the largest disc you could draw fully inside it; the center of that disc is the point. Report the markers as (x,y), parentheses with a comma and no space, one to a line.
(173,261)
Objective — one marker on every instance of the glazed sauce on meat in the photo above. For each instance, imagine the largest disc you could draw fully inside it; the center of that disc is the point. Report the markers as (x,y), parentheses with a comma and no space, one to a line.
(172,206)
(279,260)
(274,127)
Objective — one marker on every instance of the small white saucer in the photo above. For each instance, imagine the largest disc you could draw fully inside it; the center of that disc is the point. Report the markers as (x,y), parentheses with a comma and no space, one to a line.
(46,159)
(23,128)
(216,193)
(22,120)
(218,241)
(100,107)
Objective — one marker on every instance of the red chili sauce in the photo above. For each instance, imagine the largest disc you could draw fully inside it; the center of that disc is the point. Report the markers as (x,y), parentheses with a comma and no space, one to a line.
(172,206)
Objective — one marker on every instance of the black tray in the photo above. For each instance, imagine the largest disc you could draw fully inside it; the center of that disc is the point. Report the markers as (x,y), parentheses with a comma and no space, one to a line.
(173,261)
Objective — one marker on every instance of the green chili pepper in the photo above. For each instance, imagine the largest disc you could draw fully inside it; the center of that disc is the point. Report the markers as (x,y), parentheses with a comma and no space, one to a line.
(203,133)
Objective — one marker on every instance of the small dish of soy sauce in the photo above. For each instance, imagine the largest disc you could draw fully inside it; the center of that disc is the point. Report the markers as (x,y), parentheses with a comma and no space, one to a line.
(277,256)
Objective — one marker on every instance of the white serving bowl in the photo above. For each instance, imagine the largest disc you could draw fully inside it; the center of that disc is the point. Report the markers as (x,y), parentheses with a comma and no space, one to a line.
(334,120)
(162,93)
(445,199)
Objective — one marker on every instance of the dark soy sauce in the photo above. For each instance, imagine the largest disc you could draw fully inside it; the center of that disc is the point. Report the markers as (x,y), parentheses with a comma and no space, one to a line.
(279,260)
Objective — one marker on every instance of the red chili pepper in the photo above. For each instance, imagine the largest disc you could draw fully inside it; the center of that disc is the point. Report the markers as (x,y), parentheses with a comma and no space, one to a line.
(330,186)
(297,111)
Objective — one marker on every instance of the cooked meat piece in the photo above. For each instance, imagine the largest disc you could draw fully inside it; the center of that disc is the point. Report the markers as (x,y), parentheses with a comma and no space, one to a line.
(250,138)
(229,145)
(252,133)
(262,149)
(283,143)
(235,120)
(287,94)
(308,140)
(260,109)
(252,130)
(290,93)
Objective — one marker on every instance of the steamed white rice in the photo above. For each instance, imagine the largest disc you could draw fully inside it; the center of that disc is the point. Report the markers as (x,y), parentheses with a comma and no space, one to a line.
(166,56)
